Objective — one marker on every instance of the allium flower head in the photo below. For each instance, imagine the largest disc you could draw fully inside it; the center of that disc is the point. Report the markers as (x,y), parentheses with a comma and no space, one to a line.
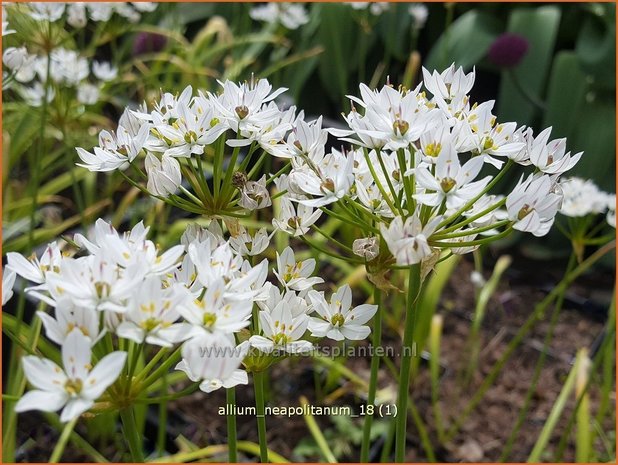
(508,50)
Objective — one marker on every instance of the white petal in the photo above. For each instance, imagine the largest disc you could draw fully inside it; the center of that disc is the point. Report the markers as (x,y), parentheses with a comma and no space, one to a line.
(41,400)
(74,408)
(103,375)
(43,373)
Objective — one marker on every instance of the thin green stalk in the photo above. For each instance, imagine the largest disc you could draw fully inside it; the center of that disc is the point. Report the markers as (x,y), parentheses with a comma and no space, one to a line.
(482,301)
(162,427)
(401,158)
(608,344)
(414,287)
(376,342)
(173,358)
(317,435)
(556,411)
(583,441)
(435,334)
(422,432)
(374,175)
(258,386)
(62,441)
(231,427)
(144,372)
(472,201)
(129,427)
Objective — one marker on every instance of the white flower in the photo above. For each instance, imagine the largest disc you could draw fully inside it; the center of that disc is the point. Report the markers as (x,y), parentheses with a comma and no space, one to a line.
(131,249)
(244,244)
(67,67)
(305,140)
(581,197)
(295,275)
(611,210)
(243,107)
(328,182)
(214,362)
(450,88)
(213,314)
(550,157)
(290,15)
(282,331)
(15,57)
(77,386)
(194,127)
(104,70)
(92,282)
(368,247)
(254,195)
(145,7)
(419,13)
(100,11)
(34,269)
(76,14)
(34,95)
(295,220)
(408,241)
(70,317)
(8,281)
(116,150)
(87,93)
(451,181)
(46,11)
(164,175)
(5,23)
(337,319)
(397,117)
(533,205)
(152,314)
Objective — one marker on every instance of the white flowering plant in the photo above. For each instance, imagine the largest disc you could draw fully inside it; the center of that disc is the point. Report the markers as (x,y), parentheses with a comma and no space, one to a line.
(409,182)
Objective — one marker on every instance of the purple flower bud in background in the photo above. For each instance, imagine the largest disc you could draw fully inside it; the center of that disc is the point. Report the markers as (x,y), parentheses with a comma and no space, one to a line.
(148,42)
(508,50)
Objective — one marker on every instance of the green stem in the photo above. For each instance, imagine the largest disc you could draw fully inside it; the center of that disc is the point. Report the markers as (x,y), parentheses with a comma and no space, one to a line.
(472,201)
(315,431)
(258,386)
(130,432)
(231,427)
(414,287)
(62,442)
(161,432)
(376,341)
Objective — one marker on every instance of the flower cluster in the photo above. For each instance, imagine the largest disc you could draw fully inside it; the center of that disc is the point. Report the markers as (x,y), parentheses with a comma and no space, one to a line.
(200,293)
(67,69)
(419,172)
(186,127)
(290,15)
(78,13)
(583,197)
(416,171)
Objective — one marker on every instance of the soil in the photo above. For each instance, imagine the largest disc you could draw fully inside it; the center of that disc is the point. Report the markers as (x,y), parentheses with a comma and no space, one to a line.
(482,435)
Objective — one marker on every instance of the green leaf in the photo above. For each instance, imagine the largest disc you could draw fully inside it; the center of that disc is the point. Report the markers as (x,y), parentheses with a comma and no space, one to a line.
(565,95)
(539,26)
(595,134)
(596,45)
(465,43)
(336,32)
